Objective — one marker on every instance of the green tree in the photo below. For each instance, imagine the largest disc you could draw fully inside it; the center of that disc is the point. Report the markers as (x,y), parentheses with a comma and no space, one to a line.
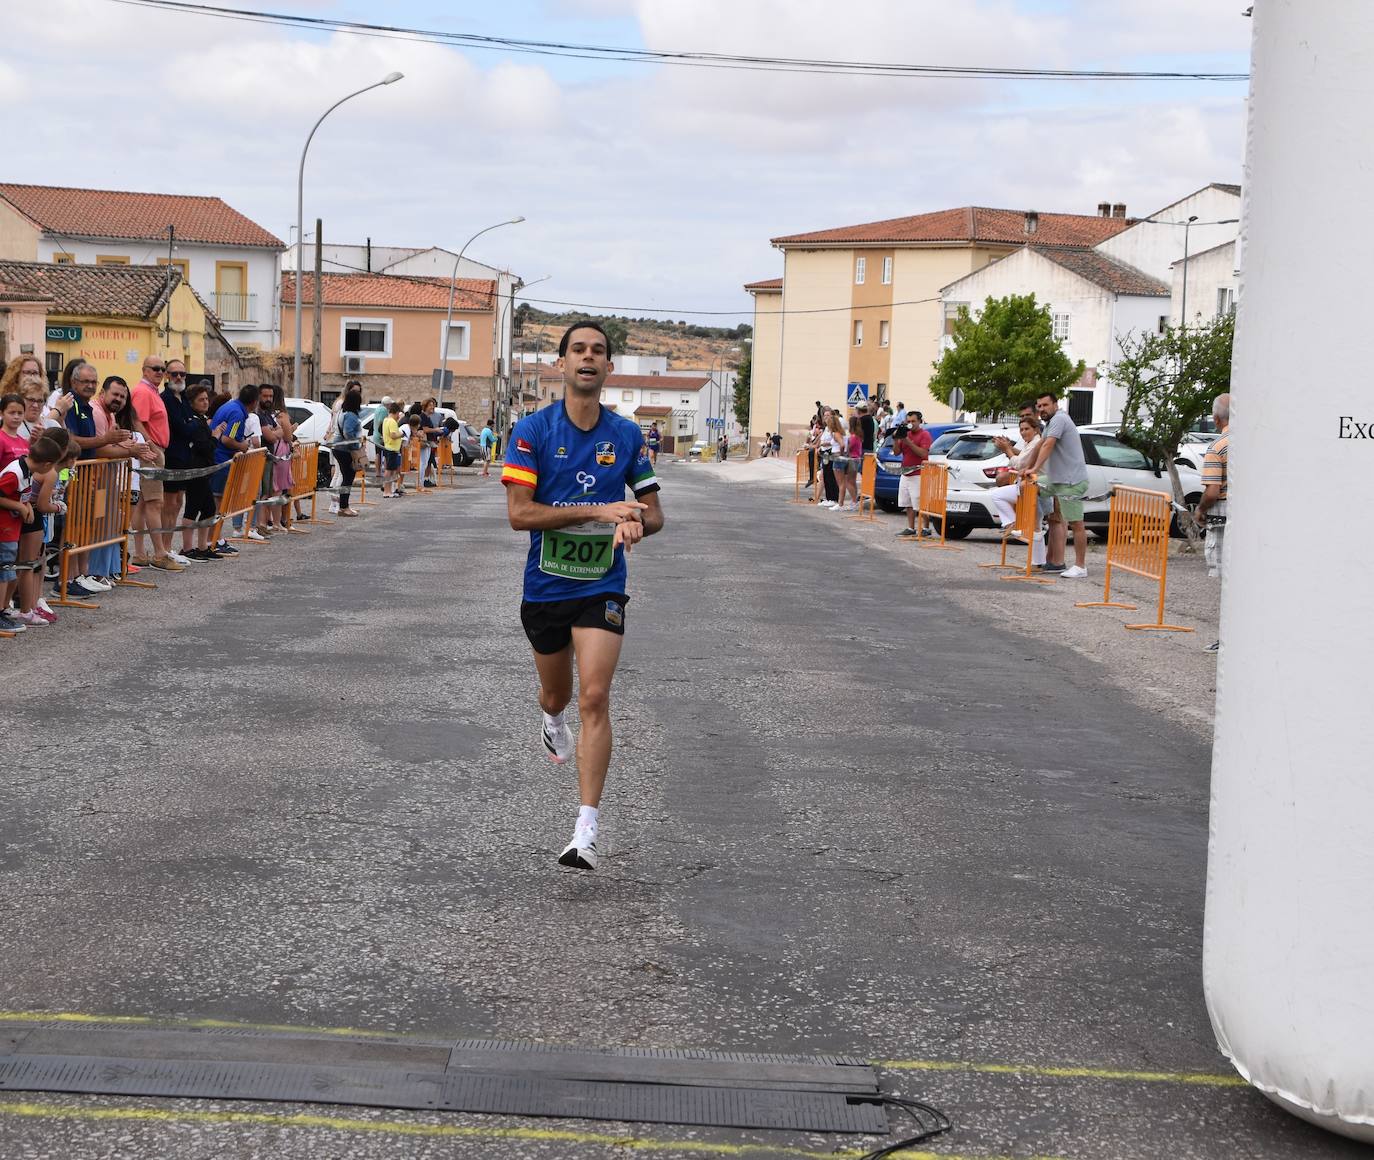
(743,375)
(1002,358)
(618,333)
(1170,381)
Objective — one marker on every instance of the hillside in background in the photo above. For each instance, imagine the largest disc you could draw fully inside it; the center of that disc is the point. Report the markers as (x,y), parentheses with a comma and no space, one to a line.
(686,345)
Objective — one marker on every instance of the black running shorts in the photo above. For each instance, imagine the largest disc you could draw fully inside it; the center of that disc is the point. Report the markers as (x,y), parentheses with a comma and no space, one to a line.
(549,623)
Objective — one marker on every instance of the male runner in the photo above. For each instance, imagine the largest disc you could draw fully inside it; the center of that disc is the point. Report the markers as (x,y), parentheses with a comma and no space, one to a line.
(566,470)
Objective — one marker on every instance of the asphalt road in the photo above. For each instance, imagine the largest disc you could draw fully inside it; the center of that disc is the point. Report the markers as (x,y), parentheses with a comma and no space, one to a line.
(845,815)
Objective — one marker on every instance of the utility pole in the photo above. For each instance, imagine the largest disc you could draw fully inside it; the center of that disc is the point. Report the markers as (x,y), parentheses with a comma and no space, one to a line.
(171,246)
(319,309)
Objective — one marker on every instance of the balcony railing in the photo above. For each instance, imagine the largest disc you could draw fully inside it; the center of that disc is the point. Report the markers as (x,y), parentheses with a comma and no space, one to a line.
(233,307)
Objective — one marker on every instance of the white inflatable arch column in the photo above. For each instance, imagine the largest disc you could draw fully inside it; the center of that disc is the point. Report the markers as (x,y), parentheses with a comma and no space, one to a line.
(1288,962)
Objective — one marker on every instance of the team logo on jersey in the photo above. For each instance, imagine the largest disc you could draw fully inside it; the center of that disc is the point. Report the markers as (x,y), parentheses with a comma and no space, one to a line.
(587,480)
(561,453)
(523,447)
(605,454)
(615,614)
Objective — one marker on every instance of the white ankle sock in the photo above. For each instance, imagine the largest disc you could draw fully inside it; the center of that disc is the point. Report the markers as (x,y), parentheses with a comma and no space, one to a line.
(554,720)
(587,817)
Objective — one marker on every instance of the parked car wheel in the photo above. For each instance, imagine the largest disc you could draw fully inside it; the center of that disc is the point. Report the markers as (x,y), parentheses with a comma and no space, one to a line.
(888,505)
(957,531)
(1175,526)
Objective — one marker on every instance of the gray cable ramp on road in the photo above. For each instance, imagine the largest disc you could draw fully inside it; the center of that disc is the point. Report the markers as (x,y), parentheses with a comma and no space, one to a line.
(635,1085)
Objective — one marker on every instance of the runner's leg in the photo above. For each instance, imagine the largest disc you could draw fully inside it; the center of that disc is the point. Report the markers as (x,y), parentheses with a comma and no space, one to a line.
(598,652)
(555,680)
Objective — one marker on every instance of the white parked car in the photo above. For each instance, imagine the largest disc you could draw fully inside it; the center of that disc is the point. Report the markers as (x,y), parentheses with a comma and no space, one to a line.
(1110,462)
(1190,452)
(309,418)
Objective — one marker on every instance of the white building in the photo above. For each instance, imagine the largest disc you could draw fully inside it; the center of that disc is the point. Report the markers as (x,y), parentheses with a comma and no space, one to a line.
(1130,283)
(229,260)
(1154,243)
(1211,285)
(1093,300)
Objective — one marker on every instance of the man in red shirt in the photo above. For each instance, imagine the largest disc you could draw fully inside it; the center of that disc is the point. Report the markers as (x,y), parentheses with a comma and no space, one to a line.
(152,413)
(912,440)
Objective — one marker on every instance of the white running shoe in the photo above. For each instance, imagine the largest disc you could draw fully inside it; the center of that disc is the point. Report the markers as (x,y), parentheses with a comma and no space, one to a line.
(558,742)
(1074,572)
(180,559)
(254,534)
(580,853)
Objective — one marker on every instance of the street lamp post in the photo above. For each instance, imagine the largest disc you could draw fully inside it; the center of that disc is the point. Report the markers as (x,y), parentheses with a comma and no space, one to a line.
(1183,304)
(510,366)
(452,286)
(389,79)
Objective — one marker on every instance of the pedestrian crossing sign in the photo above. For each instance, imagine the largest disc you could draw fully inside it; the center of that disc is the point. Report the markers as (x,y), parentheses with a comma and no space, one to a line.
(858,394)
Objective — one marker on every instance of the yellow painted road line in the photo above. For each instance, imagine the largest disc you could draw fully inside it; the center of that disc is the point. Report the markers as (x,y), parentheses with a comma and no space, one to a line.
(47,1111)
(174,1024)
(1194,1078)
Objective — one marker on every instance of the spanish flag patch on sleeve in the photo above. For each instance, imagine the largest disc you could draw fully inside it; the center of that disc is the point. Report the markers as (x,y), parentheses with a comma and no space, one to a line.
(514,473)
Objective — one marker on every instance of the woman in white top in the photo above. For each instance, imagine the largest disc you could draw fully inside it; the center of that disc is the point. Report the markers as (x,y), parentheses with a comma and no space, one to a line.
(1004,497)
(832,446)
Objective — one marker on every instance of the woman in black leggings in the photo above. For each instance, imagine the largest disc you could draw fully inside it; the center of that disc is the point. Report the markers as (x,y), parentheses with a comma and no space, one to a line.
(350,427)
(200,500)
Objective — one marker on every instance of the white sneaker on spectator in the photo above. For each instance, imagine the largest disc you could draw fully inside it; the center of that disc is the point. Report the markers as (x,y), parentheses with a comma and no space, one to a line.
(180,559)
(32,618)
(1074,572)
(254,534)
(333,509)
(92,585)
(42,606)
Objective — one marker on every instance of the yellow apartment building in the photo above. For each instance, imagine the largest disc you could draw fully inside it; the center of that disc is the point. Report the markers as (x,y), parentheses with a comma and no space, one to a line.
(861,304)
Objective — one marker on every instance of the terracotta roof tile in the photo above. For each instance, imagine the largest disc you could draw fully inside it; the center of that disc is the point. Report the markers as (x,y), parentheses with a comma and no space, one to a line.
(765,284)
(657,382)
(394,290)
(115,291)
(106,213)
(970,224)
(1104,271)
(654,412)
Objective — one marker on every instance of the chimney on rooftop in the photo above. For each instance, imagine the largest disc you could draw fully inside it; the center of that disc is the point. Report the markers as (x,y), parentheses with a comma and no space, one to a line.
(1104,209)
(1119,209)
(1032,222)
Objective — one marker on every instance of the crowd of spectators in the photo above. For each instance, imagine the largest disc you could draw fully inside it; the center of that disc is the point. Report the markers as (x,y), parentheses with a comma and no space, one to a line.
(167,430)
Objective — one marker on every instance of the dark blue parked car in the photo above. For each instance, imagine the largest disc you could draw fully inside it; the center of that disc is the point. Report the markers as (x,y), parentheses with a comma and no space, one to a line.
(944,436)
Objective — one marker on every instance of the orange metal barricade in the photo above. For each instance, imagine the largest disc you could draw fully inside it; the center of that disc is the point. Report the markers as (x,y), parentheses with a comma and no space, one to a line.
(1028,520)
(868,480)
(305,466)
(443,461)
(801,479)
(411,460)
(931,505)
(1138,543)
(241,487)
(99,499)
(1018,525)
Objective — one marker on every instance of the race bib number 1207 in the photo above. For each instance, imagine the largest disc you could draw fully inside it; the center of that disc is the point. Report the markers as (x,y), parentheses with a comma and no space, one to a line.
(581,553)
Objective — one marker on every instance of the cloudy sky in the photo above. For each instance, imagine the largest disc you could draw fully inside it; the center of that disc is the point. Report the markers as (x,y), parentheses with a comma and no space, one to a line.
(645,187)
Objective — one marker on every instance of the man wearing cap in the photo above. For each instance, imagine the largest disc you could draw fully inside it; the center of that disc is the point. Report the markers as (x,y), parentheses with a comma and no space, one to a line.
(152,413)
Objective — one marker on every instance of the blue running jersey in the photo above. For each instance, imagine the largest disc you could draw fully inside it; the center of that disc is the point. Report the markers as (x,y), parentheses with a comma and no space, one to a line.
(565,465)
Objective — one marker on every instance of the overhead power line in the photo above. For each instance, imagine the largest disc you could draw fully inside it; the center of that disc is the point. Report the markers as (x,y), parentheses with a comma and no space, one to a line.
(714,60)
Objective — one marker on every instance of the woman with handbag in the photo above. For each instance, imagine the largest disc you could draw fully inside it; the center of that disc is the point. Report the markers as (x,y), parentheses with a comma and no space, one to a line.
(350,460)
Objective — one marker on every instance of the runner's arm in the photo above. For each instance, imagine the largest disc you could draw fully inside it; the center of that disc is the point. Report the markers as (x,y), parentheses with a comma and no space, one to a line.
(527,516)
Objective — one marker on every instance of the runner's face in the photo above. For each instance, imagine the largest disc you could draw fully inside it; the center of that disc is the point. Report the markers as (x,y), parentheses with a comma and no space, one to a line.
(586,364)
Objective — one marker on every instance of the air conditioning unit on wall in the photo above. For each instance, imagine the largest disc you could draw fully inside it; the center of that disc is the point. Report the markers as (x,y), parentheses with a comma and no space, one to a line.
(355,364)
